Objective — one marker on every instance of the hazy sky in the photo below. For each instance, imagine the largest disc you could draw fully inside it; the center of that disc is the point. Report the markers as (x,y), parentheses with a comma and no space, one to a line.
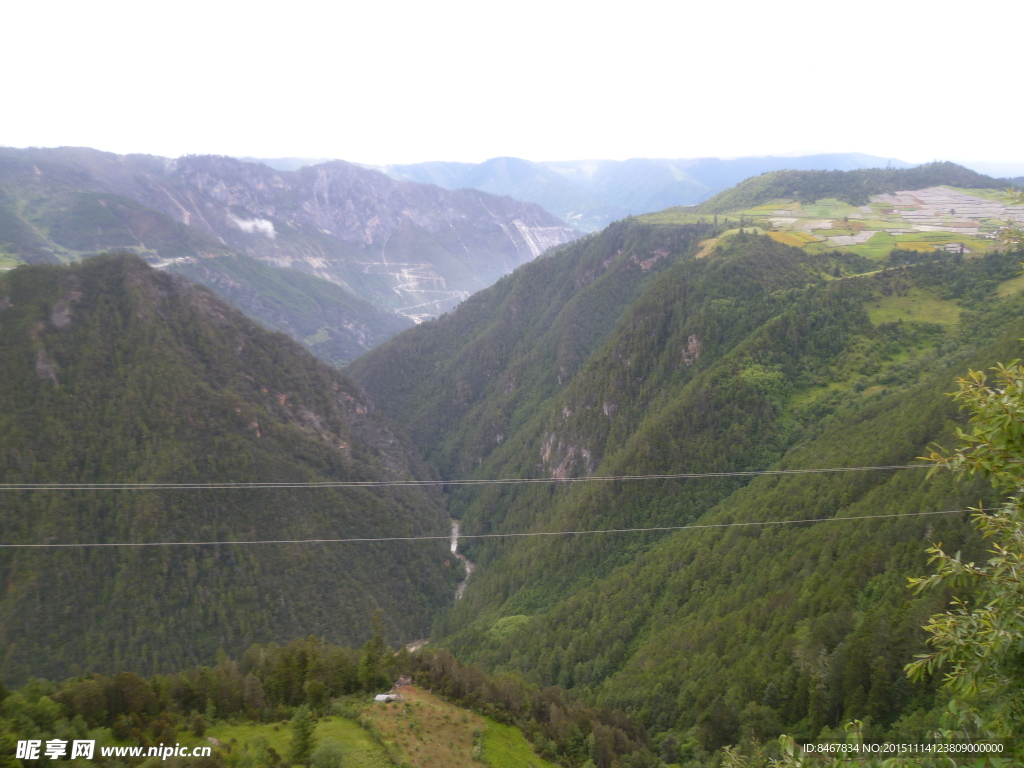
(450,80)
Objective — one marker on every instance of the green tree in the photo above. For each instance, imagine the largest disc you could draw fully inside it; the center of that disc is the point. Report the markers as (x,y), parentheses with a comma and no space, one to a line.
(373,672)
(1013,234)
(329,754)
(316,695)
(979,641)
(303,741)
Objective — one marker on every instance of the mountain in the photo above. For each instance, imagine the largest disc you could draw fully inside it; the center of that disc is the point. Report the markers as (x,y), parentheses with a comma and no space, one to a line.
(853,187)
(590,194)
(643,351)
(408,248)
(287,163)
(459,384)
(1007,170)
(328,320)
(114,372)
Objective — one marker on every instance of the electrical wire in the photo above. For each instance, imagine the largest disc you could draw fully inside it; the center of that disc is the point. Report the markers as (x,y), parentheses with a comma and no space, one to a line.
(449,537)
(417,483)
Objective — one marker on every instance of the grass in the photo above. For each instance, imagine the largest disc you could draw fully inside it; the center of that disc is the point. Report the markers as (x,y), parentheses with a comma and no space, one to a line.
(996,195)
(788,238)
(360,748)
(916,245)
(829,208)
(793,237)
(706,247)
(917,306)
(747,229)
(1010,286)
(675,216)
(775,205)
(505,747)
(426,731)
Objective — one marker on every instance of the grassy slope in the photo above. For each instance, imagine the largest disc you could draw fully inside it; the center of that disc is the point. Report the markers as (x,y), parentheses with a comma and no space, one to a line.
(360,750)
(422,731)
(426,731)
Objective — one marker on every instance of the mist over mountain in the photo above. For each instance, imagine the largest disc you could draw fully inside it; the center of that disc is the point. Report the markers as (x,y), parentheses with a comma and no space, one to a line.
(330,321)
(590,194)
(408,248)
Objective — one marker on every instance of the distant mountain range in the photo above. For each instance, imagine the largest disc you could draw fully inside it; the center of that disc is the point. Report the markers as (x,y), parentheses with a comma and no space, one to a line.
(590,194)
(408,248)
(364,256)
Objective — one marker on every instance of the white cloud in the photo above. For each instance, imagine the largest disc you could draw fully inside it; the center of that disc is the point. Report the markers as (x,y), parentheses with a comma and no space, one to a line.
(262,226)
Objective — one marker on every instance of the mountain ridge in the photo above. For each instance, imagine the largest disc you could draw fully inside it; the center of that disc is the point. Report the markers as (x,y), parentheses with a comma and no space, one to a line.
(592,193)
(117,373)
(407,247)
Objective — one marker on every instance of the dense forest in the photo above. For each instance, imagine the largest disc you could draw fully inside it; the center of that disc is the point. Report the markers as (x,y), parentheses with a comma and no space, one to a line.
(116,373)
(271,683)
(676,391)
(753,358)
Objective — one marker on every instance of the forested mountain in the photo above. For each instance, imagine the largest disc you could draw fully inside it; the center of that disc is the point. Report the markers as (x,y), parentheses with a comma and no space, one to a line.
(752,357)
(117,373)
(409,248)
(853,187)
(462,384)
(590,194)
(330,321)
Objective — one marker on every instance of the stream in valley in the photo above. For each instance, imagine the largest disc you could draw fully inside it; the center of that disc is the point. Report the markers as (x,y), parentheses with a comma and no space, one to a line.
(469,564)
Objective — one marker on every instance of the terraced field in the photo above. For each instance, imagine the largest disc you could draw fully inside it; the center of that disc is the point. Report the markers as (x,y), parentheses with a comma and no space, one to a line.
(935,218)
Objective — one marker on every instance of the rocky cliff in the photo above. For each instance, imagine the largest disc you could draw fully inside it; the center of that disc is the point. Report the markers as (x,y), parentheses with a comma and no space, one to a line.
(415,249)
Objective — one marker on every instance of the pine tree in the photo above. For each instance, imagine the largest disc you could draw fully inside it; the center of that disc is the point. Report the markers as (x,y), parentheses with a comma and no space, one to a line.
(373,672)
(303,741)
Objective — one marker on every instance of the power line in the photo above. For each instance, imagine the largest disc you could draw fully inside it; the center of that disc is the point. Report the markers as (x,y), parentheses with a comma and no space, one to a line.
(417,483)
(476,535)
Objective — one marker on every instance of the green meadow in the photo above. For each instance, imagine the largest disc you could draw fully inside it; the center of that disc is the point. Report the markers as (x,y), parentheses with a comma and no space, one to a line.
(917,306)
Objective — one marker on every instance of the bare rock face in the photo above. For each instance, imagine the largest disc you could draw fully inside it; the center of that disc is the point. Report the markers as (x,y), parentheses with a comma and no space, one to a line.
(412,248)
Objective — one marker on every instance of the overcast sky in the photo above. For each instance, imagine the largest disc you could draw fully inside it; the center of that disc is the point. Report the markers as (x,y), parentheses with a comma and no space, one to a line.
(449,80)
